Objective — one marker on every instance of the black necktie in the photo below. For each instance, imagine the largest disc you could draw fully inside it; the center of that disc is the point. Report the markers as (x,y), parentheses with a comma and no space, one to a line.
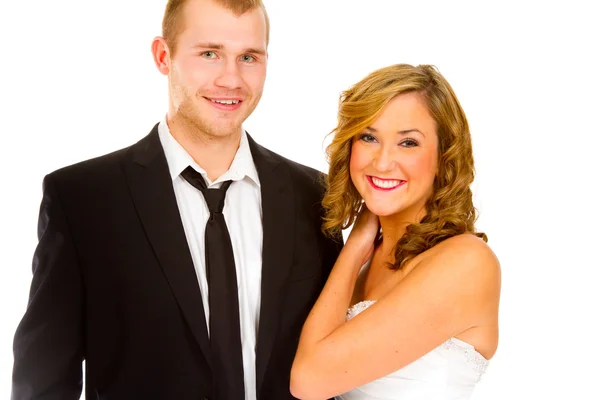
(224,320)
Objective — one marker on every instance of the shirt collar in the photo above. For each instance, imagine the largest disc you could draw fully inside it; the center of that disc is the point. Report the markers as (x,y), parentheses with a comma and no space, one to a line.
(179,159)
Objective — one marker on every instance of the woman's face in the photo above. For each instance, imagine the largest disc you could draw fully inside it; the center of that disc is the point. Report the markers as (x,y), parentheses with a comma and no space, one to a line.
(394,161)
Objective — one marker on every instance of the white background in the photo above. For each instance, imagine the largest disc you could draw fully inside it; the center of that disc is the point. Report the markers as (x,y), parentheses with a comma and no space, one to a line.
(77,81)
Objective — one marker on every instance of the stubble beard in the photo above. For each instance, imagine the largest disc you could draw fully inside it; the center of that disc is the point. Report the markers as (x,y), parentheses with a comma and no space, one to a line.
(221,126)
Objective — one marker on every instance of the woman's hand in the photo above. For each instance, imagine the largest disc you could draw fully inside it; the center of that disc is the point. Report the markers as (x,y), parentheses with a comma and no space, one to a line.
(363,235)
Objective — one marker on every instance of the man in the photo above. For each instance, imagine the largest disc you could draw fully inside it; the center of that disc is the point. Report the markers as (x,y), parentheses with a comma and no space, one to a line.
(164,294)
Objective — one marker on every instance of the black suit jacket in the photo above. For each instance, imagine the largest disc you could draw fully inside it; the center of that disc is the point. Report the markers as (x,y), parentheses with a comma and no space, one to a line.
(114,284)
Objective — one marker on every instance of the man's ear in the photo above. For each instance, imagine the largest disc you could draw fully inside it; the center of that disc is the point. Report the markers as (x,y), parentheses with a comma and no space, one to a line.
(161,55)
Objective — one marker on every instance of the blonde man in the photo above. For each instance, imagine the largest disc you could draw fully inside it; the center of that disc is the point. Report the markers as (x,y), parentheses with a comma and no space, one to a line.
(165,292)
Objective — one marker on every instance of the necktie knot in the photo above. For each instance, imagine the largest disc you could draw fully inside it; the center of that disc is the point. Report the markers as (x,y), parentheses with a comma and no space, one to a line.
(215,198)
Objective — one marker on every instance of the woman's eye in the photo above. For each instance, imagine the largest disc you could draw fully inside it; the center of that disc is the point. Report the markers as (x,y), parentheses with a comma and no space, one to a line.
(367,138)
(409,143)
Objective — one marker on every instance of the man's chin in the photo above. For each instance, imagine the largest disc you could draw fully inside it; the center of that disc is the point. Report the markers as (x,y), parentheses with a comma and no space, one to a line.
(218,127)
(225,130)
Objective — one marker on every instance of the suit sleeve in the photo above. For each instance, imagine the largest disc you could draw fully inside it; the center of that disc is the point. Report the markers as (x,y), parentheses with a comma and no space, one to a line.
(48,343)
(333,245)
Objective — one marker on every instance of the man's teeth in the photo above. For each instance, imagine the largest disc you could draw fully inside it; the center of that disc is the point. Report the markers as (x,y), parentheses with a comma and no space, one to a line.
(226,101)
(387,184)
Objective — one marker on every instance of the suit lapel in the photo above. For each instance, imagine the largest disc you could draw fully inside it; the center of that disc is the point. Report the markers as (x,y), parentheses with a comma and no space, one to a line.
(278,212)
(152,192)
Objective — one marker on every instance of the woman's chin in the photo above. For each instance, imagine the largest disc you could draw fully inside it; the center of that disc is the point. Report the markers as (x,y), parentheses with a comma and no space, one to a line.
(382,210)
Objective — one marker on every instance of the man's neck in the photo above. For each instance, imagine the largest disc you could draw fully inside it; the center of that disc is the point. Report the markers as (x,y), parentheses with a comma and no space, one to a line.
(214,154)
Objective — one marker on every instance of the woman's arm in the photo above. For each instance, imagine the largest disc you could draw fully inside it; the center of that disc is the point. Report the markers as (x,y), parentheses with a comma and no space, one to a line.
(441,297)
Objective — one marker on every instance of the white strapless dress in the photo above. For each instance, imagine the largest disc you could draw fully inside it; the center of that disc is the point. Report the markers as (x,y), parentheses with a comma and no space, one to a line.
(448,372)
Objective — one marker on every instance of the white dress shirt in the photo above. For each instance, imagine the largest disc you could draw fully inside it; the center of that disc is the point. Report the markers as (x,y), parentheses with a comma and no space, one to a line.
(243,215)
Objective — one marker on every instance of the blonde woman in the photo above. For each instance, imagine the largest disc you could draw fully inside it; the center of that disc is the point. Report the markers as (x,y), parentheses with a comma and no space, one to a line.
(410,310)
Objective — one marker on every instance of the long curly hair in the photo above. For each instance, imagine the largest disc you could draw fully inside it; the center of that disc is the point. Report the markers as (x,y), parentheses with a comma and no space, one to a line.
(449,210)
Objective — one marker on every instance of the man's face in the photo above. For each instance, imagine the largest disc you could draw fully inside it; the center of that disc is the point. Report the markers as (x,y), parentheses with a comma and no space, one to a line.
(218,68)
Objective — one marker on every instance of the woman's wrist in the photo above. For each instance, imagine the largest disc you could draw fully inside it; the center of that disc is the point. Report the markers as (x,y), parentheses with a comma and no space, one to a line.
(356,251)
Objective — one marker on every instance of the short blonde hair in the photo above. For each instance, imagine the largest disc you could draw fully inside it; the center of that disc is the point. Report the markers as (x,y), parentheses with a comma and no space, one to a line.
(172,25)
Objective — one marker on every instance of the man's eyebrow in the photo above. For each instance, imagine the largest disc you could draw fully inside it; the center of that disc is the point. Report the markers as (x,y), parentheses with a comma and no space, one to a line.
(255,51)
(209,45)
(218,46)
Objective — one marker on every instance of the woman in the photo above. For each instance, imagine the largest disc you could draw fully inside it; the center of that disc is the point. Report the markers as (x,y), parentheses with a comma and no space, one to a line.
(422,285)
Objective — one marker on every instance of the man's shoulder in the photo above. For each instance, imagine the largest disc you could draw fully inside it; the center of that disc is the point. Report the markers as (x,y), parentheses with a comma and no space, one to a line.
(104,165)
(96,165)
(300,169)
(304,176)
